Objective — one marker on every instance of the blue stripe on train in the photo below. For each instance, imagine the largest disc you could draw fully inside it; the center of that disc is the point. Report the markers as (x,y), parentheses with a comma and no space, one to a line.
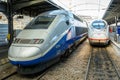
(54,52)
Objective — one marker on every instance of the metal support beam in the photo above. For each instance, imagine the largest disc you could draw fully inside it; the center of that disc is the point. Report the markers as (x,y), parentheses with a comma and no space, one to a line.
(116,20)
(3,8)
(25,4)
(10,22)
(117,35)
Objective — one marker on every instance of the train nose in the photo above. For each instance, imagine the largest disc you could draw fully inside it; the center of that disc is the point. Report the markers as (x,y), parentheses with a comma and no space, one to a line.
(99,35)
(23,52)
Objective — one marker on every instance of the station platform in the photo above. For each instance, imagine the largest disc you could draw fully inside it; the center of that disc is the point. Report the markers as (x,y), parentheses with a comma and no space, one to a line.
(115,43)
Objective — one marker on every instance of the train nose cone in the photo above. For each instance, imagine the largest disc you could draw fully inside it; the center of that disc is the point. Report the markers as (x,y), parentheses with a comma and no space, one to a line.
(23,52)
(99,35)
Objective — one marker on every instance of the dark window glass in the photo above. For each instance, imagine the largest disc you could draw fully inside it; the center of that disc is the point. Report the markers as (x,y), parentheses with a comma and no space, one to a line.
(41,22)
(98,24)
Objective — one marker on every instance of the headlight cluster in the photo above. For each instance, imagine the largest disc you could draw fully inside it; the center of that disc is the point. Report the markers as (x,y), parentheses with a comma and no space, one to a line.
(28,41)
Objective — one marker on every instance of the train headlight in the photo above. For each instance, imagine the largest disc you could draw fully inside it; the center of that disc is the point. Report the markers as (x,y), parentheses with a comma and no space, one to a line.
(24,53)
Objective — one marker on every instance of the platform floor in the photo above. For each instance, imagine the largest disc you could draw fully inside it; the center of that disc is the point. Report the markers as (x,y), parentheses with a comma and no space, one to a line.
(115,43)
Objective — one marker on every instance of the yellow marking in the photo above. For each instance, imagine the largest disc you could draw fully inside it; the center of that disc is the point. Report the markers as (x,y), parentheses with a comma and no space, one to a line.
(8,36)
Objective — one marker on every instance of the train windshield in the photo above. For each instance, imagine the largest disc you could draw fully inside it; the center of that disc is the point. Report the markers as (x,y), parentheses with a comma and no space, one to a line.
(98,24)
(41,22)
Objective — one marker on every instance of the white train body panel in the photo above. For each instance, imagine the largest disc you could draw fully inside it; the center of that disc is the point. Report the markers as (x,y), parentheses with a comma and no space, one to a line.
(98,32)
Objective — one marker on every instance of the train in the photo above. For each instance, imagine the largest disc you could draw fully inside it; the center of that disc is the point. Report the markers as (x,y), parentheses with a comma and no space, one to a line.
(98,32)
(45,39)
(114,27)
(3,34)
(115,31)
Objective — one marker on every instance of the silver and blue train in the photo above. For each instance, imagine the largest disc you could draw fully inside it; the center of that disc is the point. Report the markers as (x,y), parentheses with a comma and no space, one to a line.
(98,32)
(45,39)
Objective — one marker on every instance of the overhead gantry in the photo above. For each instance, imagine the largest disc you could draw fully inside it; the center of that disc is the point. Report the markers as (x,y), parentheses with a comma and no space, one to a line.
(113,12)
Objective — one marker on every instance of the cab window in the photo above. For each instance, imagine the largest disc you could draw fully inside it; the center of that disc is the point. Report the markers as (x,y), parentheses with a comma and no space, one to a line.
(41,22)
(98,24)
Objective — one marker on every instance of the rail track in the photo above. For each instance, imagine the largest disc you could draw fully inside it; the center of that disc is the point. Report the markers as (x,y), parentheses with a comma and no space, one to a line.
(7,76)
(101,66)
(15,76)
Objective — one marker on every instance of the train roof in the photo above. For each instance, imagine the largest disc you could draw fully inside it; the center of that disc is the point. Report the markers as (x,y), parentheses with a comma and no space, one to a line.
(55,12)
(58,12)
(98,20)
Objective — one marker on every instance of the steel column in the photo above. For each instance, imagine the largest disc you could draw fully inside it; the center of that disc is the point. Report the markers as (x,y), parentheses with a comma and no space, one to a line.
(10,22)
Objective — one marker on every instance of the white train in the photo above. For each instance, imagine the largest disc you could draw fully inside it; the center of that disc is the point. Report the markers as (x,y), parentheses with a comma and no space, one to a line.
(45,39)
(98,32)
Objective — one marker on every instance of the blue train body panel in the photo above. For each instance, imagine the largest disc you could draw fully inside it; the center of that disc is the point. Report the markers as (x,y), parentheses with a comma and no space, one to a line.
(53,53)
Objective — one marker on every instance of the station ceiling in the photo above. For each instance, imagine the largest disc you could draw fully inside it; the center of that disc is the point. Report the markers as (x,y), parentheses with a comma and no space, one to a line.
(3,7)
(112,11)
(33,7)
(29,7)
